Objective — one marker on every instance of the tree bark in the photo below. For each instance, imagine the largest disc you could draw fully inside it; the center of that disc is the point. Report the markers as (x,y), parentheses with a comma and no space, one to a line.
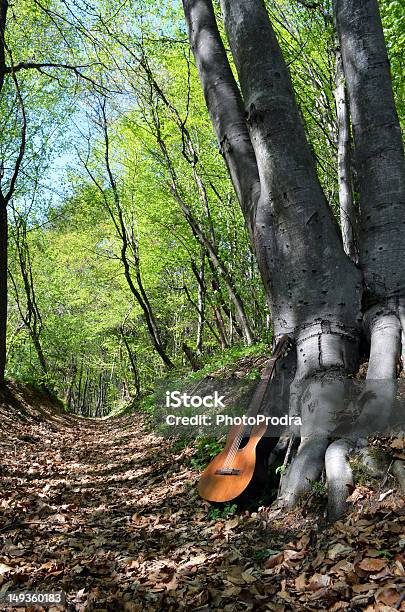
(224,103)
(379,154)
(348,214)
(290,221)
(296,234)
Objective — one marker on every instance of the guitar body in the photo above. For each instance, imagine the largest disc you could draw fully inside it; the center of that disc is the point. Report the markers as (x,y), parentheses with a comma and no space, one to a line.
(221,484)
(235,468)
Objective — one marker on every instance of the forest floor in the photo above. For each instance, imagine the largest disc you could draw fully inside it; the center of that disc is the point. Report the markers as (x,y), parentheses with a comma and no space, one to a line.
(108,512)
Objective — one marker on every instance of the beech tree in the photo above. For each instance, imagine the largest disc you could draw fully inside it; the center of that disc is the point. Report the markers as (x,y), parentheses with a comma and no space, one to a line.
(315,293)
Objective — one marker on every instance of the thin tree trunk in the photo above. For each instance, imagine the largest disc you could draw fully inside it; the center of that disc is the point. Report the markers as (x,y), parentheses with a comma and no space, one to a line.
(201,314)
(201,305)
(32,318)
(79,390)
(149,318)
(348,214)
(128,244)
(223,308)
(189,353)
(3,286)
(84,405)
(133,362)
(231,327)
(69,391)
(3,218)
(221,328)
(205,242)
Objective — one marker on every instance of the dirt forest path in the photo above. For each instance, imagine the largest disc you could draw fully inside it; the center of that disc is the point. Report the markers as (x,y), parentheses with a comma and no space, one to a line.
(108,513)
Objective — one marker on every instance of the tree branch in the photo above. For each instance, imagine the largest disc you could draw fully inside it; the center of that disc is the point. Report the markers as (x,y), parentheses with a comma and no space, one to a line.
(41,65)
(20,156)
(224,103)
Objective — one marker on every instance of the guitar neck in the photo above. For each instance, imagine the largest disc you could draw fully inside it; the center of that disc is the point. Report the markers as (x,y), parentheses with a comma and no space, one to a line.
(257,400)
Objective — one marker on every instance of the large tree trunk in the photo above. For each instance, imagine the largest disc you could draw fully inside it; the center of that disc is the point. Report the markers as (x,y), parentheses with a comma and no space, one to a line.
(286,211)
(379,154)
(312,287)
(380,166)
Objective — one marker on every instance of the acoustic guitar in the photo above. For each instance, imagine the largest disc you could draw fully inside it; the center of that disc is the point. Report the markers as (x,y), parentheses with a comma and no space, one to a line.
(230,472)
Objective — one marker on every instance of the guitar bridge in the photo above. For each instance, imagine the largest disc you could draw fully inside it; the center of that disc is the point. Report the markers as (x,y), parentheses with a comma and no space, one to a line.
(228,472)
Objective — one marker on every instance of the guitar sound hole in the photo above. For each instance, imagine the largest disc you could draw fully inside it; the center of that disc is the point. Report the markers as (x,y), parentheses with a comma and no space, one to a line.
(228,472)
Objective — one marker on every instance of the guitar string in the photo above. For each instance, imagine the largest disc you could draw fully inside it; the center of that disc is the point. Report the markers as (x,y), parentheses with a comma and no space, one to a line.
(231,452)
(235,445)
(234,449)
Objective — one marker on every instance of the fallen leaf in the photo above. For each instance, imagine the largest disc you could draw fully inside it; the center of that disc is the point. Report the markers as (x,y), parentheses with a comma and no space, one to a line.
(339,605)
(274,560)
(232,523)
(338,550)
(318,581)
(301,582)
(370,564)
(388,596)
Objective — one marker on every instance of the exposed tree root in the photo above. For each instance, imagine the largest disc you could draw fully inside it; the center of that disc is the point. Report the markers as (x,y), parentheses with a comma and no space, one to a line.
(339,475)
(323,365)
(385,334)
(305,469)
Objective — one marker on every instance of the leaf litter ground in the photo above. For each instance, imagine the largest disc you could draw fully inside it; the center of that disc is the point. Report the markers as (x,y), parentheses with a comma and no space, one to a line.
(108,512)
